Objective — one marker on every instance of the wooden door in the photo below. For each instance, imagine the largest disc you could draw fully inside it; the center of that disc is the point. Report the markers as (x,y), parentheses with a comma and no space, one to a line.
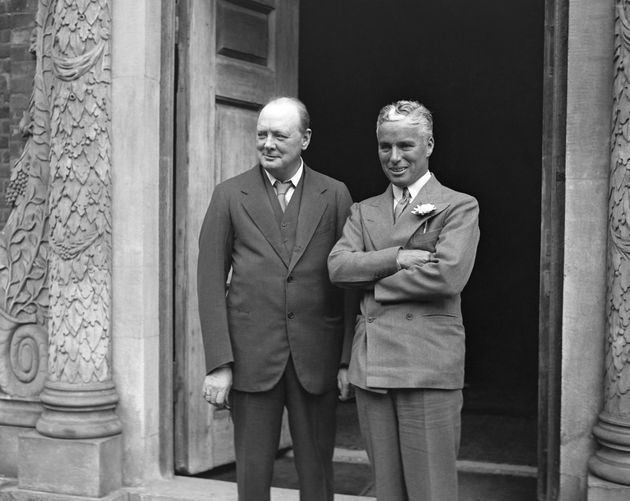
(233,55)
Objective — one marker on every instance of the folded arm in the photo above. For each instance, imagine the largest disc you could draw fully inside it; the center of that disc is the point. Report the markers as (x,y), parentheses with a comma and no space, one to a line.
(350,265)
(447,273)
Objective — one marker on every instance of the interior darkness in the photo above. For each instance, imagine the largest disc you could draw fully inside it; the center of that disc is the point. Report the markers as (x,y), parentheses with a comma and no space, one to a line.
(478,67)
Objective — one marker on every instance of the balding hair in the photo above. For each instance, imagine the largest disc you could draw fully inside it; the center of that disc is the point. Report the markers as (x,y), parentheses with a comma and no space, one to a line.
(305,118)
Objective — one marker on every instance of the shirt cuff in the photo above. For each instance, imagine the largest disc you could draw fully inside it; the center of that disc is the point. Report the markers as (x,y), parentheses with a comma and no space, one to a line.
(398,262)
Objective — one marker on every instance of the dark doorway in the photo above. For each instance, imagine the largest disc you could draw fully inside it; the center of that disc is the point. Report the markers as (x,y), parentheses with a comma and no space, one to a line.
(479,67)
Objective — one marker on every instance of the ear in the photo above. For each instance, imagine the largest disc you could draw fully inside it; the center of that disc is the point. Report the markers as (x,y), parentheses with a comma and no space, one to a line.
(430,145)
(306,138)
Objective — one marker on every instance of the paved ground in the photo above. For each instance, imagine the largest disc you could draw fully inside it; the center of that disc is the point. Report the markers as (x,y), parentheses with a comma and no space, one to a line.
(505,436)
(355,479)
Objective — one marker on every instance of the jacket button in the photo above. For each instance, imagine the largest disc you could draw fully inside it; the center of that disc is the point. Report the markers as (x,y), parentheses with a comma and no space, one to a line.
(290,278)
(371,319)
(409,316)
(291,314)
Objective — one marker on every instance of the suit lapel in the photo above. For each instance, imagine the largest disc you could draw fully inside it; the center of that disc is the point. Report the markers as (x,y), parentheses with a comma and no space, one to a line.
(408,224)
(312,208)
(256,204)
(379,216)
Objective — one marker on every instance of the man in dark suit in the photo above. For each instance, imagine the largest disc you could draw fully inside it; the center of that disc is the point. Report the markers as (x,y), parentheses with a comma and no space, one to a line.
(411,250)
(275,338)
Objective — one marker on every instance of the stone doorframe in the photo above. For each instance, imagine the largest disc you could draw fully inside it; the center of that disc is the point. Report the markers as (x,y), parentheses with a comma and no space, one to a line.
(576,159)
(576,167)
(578,110)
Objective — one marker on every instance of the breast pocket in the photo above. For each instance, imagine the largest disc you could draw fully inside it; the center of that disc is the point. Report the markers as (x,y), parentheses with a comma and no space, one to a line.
(423,241)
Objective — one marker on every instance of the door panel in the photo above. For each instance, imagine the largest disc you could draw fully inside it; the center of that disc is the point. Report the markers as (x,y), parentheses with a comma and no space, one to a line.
(233,56)
(235,145)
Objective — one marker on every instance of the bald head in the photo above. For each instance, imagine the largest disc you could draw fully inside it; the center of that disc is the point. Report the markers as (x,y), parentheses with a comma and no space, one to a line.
(293,102)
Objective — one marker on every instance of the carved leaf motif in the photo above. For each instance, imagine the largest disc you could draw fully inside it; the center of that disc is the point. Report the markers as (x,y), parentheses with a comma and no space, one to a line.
(63,39)
(617,362)
(4,259)
(76,43)
(82,5)
(75,107)
(624,379)
(16,254)
(92,13)
(80,260)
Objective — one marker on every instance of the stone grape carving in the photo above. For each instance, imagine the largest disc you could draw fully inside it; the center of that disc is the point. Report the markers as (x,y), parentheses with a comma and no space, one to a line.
(24,243)
(55,251)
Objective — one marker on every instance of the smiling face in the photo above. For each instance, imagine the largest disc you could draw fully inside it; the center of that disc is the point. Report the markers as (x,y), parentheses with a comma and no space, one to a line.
(280,140)
(404,150)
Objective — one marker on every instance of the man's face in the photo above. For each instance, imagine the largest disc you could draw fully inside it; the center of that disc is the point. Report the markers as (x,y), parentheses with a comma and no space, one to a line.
(404,151)
(279,141)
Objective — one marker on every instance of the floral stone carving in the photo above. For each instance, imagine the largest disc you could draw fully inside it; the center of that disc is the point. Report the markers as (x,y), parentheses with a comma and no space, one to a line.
(617,399)
(80,193)
(611,461)
(24,245)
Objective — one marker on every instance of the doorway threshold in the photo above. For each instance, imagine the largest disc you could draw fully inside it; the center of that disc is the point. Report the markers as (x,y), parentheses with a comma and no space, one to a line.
(342,455)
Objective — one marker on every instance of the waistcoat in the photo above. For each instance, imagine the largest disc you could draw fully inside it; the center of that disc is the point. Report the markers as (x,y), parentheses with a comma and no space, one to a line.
(287,220)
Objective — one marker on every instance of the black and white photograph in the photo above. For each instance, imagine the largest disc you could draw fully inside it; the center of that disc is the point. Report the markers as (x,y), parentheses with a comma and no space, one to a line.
(314,250)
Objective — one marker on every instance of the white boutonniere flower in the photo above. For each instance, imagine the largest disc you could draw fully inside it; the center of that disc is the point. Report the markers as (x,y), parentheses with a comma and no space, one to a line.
(423,209)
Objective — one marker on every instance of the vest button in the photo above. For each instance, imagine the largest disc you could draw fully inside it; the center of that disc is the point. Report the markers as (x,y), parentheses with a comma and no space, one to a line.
(291,314)
(371,319)
(409,316)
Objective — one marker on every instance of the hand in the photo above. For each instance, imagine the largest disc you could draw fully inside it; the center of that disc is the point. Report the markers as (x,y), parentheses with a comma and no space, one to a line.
(345,388)
(216,387)
(407,258)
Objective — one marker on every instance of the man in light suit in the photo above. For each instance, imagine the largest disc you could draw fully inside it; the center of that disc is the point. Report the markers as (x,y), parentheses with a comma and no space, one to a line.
(275,338)
(411,251)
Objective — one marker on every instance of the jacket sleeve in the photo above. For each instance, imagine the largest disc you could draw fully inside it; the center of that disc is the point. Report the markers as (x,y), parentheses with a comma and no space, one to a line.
(455,252)
(351,297)
(350,265)
(213,266)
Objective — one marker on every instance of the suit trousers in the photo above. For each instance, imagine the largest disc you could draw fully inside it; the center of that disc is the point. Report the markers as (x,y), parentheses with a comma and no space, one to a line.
(412,439)
(257,420)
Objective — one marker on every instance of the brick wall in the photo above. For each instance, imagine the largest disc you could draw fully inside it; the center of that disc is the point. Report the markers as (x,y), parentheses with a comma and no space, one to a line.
(17,67)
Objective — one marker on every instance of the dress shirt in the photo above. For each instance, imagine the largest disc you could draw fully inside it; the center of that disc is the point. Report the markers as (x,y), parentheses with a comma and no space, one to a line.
(294,181)
(413,188)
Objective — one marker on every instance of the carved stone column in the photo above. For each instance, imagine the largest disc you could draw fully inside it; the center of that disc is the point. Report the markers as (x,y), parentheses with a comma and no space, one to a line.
(79,396)
(24,270)
(612,460)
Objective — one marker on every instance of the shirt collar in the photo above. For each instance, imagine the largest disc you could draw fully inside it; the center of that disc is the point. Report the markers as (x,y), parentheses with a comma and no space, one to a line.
(295,179)
(413,188)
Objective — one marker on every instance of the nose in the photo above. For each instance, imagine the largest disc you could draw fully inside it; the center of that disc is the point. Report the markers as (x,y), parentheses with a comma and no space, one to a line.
(395,155)
(269,142)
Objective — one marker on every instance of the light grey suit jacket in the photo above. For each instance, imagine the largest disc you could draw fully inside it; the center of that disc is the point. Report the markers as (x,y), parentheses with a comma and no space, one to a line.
(410,332)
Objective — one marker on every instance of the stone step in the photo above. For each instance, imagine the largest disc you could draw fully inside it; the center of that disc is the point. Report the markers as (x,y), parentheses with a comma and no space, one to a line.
(359,456)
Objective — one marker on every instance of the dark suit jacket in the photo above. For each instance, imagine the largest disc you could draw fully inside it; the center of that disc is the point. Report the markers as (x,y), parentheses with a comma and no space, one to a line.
(275,305)
(410,332)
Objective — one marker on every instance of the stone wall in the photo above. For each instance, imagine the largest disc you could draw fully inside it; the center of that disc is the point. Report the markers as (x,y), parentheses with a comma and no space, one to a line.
(589,112)
(17,67)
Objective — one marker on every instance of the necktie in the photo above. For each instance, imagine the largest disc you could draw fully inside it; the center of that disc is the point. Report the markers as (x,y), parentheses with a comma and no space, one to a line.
(281,191)
(402,203)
